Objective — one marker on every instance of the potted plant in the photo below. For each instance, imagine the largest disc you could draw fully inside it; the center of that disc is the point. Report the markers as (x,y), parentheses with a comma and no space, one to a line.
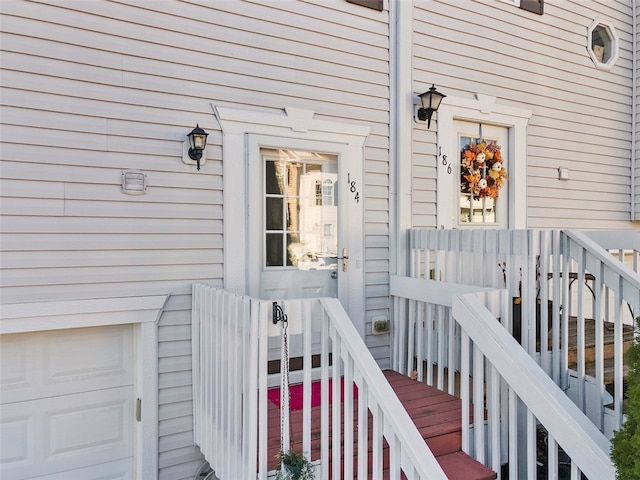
(293,466)
(625,449)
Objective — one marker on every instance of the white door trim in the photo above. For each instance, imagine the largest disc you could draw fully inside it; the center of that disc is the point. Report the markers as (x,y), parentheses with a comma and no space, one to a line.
(291,125)
(143,312)
(484,109)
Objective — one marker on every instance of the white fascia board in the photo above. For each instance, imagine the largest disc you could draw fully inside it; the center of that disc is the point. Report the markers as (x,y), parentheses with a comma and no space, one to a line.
(55,315)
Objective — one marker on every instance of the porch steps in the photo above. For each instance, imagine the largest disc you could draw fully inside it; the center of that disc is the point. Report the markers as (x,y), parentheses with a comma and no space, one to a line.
(438,417)
(436,414)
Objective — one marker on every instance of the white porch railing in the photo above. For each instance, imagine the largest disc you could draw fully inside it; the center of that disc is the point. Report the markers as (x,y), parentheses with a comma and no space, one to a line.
(454,340)
(553,277)
(230,346)
(625,246)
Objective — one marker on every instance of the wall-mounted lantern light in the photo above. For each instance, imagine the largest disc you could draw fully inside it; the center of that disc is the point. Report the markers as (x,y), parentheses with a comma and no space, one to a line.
(197,142)
(431,100)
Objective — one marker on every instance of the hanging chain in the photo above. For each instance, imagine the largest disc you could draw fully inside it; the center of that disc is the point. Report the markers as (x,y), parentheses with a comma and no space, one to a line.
(285,392)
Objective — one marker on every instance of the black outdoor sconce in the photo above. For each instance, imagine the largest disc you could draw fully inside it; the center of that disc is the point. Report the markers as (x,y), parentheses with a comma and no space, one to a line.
(197,142)
(431,100)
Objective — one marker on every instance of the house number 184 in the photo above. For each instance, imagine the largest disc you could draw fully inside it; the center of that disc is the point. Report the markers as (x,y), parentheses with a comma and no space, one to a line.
(353,189)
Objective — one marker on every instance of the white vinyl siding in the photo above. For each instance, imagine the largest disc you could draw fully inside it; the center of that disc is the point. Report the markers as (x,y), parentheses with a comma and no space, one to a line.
(93,88)
(635,201)
(581,115)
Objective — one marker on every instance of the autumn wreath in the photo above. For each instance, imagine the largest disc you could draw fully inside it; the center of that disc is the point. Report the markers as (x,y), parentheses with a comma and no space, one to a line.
(483,173)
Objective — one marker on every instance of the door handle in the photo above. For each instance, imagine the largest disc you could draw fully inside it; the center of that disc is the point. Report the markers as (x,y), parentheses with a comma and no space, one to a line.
(344,259)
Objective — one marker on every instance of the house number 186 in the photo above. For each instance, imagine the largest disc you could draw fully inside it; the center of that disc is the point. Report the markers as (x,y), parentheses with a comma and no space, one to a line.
(353,189)
(445,162)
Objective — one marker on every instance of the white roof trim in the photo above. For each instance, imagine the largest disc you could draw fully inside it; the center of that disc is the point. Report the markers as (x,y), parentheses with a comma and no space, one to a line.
(40,316)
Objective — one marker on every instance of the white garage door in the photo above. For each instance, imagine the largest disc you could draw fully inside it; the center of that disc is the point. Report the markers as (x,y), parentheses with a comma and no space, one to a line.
(67,404)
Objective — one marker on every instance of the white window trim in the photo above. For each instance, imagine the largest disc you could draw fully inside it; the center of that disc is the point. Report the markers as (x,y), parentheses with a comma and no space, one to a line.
(484,109)
(142,312)
(615,44)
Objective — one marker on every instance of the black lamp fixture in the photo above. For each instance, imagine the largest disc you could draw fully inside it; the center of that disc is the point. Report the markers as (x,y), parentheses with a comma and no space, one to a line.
(431,100)
(197,142)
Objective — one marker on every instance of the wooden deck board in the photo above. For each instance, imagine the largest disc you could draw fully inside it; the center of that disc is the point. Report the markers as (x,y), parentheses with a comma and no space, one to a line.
(436,414)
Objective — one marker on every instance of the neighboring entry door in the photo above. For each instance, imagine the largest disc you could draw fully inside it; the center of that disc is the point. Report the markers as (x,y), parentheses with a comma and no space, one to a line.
(67,404)
(480,191)
(305,233)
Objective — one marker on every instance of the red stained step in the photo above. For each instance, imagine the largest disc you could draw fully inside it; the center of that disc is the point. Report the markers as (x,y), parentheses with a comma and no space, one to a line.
(436,414)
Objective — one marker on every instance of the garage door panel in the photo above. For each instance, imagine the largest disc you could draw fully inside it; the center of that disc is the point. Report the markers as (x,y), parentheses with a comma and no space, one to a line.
(118,470)
(101,351)
(73,431)
(15,433)
(65,361)
(16,364)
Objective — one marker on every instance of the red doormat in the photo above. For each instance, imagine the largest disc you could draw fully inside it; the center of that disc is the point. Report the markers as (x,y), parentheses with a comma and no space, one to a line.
(296,391)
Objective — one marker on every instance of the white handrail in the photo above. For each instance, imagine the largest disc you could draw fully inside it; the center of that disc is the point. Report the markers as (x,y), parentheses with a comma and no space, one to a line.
(492,374)
(558,281)
(230,406)
(625,247)
(397,422)
(573,431)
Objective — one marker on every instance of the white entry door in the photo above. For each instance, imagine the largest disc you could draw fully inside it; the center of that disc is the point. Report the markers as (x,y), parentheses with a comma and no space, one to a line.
(306,231)
(67,404)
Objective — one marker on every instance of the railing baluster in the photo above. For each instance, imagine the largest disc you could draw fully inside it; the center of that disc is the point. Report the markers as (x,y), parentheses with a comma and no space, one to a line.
(263,321)
(430,341)
(378,431)
(440,332)
(363,429)
(251,391)
(552,458)
(581,334)
(493,417)
(465,378)
(335,404)
(618,396)
(420,339)
(557,302)
(324,395)
(599,341)
(451,350)
(531,448)
(513,435)
(411,336)
(348,415)
(306,394)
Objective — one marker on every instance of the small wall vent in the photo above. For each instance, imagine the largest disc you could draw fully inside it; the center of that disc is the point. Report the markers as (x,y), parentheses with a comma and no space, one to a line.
(134,182)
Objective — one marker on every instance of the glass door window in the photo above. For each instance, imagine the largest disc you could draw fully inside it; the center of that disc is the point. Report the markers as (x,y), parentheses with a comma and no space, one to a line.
(300,223)
(482,176)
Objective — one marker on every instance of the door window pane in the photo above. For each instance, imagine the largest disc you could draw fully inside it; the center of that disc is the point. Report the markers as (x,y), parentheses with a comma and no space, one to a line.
(299,209)
(273,213)
(274,177)
(274,249)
